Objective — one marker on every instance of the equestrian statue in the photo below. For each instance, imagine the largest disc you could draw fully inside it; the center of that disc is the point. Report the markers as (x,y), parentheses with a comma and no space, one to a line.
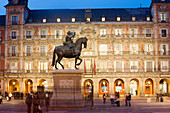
(69,49)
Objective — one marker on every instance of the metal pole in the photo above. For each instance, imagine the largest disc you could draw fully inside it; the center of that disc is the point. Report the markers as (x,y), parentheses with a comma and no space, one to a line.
(92,98)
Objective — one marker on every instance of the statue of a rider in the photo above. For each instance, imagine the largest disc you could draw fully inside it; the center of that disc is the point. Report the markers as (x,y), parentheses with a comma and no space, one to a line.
(69,40)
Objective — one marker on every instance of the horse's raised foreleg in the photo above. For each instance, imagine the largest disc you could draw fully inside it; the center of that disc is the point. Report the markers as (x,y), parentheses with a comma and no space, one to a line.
(56,63)
(76,63)
(59,59)
(80,61)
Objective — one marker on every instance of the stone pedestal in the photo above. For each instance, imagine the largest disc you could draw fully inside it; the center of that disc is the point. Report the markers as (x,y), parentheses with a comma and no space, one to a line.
(67,89)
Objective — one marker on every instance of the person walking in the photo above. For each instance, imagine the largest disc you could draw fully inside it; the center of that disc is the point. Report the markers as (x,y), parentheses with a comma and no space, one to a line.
(0,98)
(129,99)
(36,104)
(157,97)
(28,101)
(111,99)
(10,96)
(104,98)
(47,102)
(126,99)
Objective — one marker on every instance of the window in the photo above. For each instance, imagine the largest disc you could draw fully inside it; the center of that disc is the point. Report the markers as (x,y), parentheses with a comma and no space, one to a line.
(73,19)
(148,33)
(43,67)
(163,17)
(148,18)
(118,32)
(28,67)
(13,50)
(134,66)
(103,19)
(148,49)
(44,20)
(164,49)
(163,33)
(28,34)
(58,34)
(164,66)
(103,49)
(14,20)
(102,32)
(133,48)
(58,20)
(133,18)
(103,66)
(149,66)
(133,33)
(0,36)
(87,19)
(118,49)
(14,35)
(119,66)
(43,33)
(118,18)
(42,50)
(14,67)
(28,50)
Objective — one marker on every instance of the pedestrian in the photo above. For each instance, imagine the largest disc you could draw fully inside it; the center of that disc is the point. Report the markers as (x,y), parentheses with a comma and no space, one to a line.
(6,94)
(10,96)
(129,99)
(47,101)
(0,98)
(118,94)
(104,98)
(22,95)
(28,101)
(126,99)
(36,104)
(157,97)
(111,99)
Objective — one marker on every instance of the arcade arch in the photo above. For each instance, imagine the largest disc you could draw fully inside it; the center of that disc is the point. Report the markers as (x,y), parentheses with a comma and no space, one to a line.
(119,86)
(149,87)
(28,86)
(13,86)
(134,87)
(103,87)
(163,86)
(88,86)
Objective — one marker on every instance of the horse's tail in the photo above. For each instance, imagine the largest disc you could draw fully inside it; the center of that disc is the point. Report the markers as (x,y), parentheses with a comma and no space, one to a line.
(53,62)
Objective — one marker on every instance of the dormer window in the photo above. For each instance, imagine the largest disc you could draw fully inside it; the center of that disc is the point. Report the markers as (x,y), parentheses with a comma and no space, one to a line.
(73,19)
(118,18)
(163,17)
(148,18)
(14,20)
(103,19)
(133,18)
(44,20)
(58,20)
(88,19)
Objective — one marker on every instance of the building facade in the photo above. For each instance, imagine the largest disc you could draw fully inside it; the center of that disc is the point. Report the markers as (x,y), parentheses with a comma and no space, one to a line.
(127,50)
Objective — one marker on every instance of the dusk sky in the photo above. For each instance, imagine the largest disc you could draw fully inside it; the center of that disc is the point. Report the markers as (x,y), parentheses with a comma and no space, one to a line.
(73,4)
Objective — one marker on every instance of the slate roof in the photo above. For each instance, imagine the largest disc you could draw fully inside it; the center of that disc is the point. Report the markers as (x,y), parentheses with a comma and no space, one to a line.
(109,13)
(2,20)
(160,1)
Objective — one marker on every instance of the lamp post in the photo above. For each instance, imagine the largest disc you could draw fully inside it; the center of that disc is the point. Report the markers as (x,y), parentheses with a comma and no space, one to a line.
(13,86)
(28,86)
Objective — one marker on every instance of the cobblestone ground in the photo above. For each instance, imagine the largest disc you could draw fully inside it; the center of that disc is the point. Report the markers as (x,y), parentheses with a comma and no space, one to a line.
(139,105)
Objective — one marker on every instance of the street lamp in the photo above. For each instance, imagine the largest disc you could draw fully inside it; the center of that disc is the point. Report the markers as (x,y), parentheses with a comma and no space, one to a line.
(13,86)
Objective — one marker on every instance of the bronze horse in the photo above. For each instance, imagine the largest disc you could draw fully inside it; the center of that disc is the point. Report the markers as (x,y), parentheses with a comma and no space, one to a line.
(65,51)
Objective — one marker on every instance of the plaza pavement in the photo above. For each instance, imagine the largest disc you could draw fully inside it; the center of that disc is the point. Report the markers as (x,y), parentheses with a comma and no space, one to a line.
(139,105)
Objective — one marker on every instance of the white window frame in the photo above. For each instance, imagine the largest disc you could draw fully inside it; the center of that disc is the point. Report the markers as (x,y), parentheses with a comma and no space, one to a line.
(161,32)
(166,64)
(28,67)
(44,68)
(103,66)
(43,34)
(103,32)
(14,69)
(134,63)
(146,32)
(17,22)
(28,35)
(118,32)
(12,34)
(148,48)
(115,66)
(162,19)
(11,52)
(136,46)
(31,49)
(135,35)
(59,32)
(45,51)
(146,65)
(161,49)
(101,47)
(116,51)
